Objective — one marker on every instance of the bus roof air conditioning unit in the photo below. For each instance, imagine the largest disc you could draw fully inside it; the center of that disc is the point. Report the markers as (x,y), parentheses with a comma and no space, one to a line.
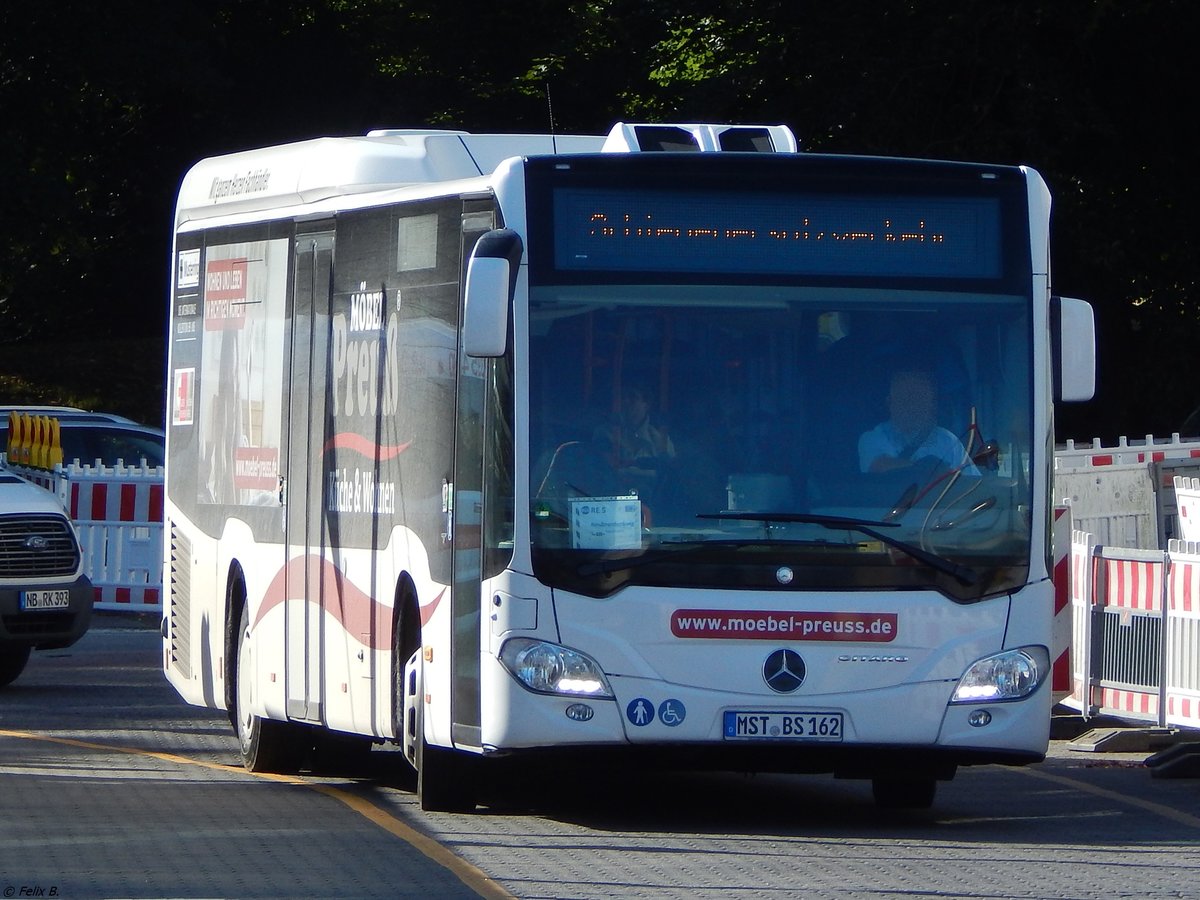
(629,138)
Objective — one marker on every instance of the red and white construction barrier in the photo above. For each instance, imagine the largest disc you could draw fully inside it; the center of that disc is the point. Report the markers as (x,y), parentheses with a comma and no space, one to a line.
(1182,650)
(1060,645)
(1126,452)
(1126,495)
(118,514)
(1128,593)
(1136,632)
(1082,569)
(1187,501)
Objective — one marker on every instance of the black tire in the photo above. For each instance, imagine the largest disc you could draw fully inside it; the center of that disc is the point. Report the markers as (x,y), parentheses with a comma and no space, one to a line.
(13,658)
(406,640)
(266,745)
(404,731)
(446,779)
(903,793)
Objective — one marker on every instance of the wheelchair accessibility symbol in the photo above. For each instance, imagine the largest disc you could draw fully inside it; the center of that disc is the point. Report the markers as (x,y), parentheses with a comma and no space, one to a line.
(672,712)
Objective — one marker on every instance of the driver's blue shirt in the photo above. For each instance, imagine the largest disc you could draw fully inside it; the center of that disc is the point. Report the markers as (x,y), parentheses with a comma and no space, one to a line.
(939,444)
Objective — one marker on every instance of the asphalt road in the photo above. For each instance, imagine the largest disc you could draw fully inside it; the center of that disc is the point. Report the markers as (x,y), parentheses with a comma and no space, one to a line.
(111,787)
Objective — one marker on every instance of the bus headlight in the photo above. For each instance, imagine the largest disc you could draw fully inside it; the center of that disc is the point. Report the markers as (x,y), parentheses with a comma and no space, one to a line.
(1011,675)
(552,669)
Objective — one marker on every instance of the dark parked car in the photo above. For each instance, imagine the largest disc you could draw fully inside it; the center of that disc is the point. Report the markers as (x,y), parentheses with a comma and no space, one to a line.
(90,436)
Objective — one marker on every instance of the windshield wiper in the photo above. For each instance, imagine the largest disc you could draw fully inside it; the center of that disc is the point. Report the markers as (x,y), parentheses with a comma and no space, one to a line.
(868,527)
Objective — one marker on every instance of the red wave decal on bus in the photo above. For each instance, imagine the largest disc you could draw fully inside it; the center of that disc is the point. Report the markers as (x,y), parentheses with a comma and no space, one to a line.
(348,440)
(428,609)
(361,617)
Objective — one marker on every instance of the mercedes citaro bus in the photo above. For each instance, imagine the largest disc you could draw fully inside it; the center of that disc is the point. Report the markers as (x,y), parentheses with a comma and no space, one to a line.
(503,445)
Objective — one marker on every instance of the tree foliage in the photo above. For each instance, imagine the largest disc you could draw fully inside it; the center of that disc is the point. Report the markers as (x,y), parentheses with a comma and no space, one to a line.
(110,103)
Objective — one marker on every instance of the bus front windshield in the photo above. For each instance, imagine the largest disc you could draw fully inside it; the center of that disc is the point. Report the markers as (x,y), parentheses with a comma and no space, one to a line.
(774,437)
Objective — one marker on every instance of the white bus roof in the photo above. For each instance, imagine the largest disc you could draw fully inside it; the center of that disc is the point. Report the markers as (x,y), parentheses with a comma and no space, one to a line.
(313,170)
(308,172)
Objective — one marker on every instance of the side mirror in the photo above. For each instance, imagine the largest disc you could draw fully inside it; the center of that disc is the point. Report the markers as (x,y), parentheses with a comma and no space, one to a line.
(488,292)
(1073,347)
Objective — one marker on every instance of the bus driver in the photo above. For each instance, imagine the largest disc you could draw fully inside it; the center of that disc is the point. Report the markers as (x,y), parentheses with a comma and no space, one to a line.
(911,432)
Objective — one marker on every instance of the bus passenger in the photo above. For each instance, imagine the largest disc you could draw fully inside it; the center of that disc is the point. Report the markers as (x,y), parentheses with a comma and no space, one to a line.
(637,440)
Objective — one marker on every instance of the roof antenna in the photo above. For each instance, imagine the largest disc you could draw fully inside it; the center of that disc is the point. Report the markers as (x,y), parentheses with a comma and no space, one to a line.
(550,113)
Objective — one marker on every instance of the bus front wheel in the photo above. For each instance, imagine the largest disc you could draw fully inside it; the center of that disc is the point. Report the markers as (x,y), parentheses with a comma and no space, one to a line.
(893,792)
(446,778)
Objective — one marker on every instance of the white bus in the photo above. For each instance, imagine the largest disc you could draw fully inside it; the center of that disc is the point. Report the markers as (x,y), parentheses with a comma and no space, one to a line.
(498,446)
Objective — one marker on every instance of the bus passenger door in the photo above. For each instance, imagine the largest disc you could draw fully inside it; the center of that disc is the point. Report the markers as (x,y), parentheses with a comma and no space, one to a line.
(304,404)
(467,509)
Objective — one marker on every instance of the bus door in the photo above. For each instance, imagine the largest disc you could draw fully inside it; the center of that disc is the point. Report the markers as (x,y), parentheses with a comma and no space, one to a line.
(304,405)
(466,507)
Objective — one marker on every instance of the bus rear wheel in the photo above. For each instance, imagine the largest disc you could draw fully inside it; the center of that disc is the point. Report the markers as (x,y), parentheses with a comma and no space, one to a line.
(893,792)
(266,745)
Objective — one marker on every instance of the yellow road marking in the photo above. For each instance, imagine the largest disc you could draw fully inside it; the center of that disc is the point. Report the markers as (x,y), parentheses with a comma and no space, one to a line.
(1158,809)
(469,875)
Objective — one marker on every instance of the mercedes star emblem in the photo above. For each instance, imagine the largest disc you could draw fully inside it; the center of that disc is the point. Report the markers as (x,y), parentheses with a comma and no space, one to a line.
(784,671)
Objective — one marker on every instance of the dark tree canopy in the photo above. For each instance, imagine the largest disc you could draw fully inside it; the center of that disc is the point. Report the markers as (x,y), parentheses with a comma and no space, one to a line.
(110,103)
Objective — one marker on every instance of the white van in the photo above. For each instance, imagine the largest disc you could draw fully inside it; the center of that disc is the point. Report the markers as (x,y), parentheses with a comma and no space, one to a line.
(45,599)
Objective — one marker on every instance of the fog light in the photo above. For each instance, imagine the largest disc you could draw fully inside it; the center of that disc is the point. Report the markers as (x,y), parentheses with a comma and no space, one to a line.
(979,718)
(580,712)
